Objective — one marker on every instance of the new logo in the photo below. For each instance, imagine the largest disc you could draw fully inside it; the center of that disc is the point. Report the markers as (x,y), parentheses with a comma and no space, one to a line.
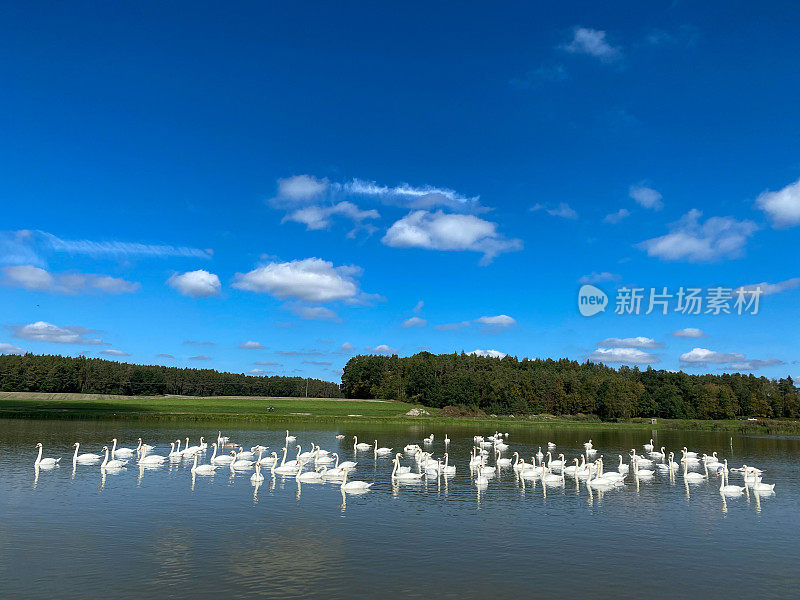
(591,300)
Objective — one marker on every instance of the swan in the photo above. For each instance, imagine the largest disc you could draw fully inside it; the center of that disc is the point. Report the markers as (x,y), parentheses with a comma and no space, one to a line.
(257,476)
(446,440)
(347,464)
(382,451)
(429,439)
(551,478)
(404,476)
(190,450)
(143,446)
(691,477)
(290,438)
(268,461)
(311,476)
(644,462)
(588,445)
(486,470)
(222,459)
(689,454)
(246,454)
(240,464)
(306,456)
(123,452)
(502,462)
(614,476)
(474,458)
(283,468)
(361,446)
(558,463)
(84,459)
(174,454)
(600,482)
(539,454)
(354,486)
(206,469)
(728,490)
(45,463)
(551,445)
(111,464)
(573,469)
(751,477)
(657,454)
(622,468)
(325,459)
(447,468)
(150,460)
(640,473)
(649,447)
(340,436)
(411,448)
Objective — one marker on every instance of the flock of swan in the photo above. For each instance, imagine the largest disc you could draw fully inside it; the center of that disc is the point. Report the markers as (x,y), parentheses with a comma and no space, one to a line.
(489,457)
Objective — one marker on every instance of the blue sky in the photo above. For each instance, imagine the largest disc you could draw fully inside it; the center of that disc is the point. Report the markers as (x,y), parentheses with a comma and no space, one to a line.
(321,180)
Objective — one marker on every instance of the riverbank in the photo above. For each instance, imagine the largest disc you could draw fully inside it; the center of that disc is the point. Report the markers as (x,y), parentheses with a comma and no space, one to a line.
(254,409)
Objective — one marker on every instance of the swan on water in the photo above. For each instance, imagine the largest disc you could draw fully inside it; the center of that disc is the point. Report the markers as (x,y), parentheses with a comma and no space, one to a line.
(206,469)
(45,463)
(122,452)
(360,446)
(111,465)
(86,458)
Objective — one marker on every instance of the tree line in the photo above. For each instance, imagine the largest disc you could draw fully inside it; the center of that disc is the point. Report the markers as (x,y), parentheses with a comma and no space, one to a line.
(52,373)
(566,387)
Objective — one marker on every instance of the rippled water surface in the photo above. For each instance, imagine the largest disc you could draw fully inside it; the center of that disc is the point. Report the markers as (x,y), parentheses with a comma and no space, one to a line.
(160,533)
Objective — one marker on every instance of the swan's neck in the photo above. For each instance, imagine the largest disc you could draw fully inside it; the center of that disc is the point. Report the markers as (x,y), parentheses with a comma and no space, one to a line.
(75,456)
(105,459)
(214,454)
(113,449)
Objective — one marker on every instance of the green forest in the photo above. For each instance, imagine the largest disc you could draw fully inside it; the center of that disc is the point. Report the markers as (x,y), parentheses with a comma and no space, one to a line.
(566,387)
(50,373)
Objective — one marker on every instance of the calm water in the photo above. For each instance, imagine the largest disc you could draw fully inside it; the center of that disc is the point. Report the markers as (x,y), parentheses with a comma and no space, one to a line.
(157,533)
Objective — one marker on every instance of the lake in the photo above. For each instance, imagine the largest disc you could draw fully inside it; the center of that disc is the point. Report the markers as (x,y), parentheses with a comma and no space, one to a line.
(161,533)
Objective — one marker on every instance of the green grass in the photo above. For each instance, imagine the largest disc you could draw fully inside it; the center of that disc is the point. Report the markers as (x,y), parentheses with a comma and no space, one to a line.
(249,408)
(30,404)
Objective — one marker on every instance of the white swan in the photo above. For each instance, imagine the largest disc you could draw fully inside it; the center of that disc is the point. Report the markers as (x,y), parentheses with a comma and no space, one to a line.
(728,490)
(502,462)
(257,476)
(361,446)
(206,469)
(150,460)
(122,452)
(551,445)
(640,473)
(347,464)
(86,458)
(290,438)
(241,464)
(446,440)
(429,439)
(588,445)
(283,468)
(622,468)
(111,465)
(45,463)
(406,476)
(691,477)
(311,476)
(381,451)
(143,446)
(649,447)
(354,486)
(222,459)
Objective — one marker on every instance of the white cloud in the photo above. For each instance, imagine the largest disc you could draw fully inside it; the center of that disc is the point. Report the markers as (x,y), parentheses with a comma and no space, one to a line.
(200,357)
(496,321)
(616,217)
(251,346)
(452,326)
(382,349)
(196,284)
(592,42)
(37,279)
(689,332)
(418,307)
(563,210)
(162,355)
(112,352)
(755,364)
(782,207)
(10,349)
(257,372)
(440,231)
(415,322)
(772,288)
(692,241)
(488,353)
(346,348)
(411,197)
(314,313)
(93,248)
(594,277)
(632,342)
(702,356)
(633,356)
(646,197)
(42,331)
(310,279)
(319,217)
(302,188)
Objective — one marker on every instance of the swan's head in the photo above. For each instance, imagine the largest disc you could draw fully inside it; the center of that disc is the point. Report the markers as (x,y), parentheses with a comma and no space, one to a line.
(76,444)
(140,440)
(39,445)
(214,445)
(113,439)
(104,449)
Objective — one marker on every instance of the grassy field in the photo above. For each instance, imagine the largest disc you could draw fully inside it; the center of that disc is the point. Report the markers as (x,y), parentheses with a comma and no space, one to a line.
(253,408)
(39,405)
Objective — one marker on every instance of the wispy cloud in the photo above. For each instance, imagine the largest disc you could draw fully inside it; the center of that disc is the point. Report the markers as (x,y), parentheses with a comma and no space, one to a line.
(691,240)
(200,357)
(631,342)
(595,277)
(592,42)
(118,248)
(772,288)
(415,322)
(563,210)
(616,217)
(782,207)
(689,332)
(703,356)
(251,345)
(112,352)
(646,197)
(6,348)
(631,356)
